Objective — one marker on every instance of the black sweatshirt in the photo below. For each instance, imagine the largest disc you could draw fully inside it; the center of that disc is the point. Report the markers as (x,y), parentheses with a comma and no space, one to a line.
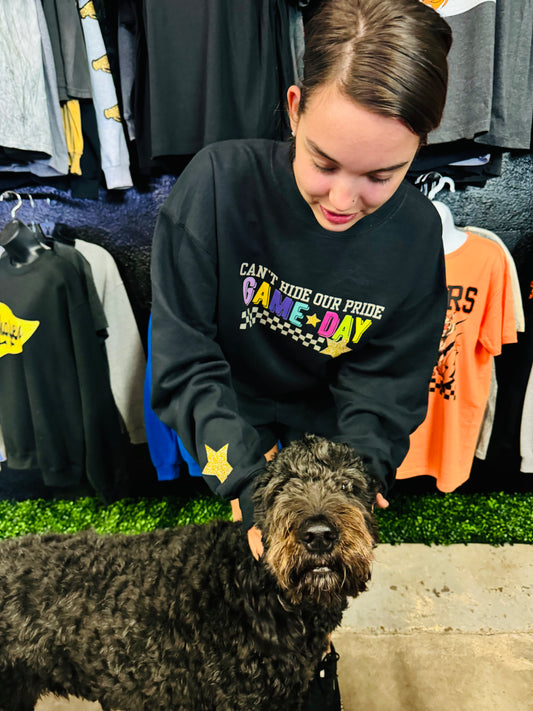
(261,316)
(57,411)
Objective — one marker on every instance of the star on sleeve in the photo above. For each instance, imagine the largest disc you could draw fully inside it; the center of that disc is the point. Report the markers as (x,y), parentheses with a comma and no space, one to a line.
(217,463)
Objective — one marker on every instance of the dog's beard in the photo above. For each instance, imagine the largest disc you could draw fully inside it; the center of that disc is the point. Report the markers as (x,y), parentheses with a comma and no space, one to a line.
(322,578)
(322,582)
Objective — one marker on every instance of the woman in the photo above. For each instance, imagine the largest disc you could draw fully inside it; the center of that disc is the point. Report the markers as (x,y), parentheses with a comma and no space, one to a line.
(300,287)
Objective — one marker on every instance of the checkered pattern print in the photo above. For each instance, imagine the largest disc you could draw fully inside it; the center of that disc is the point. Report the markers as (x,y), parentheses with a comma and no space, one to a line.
(258,314)
(446,389)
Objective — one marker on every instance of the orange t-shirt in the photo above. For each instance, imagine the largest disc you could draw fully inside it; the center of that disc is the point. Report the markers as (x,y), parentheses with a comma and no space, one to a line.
(479,320)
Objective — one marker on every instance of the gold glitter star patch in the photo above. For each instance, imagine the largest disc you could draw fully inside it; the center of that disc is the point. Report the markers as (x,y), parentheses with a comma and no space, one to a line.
(336,348)
(313,320)
(217,463)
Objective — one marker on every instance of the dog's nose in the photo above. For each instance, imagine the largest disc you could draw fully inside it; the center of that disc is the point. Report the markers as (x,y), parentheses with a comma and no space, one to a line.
(318,536)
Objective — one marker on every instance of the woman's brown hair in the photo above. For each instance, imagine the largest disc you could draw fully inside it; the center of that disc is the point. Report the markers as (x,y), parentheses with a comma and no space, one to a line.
(387,55)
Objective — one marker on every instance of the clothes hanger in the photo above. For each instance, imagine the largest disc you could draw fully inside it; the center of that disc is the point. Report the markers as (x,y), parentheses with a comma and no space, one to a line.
(14,210)
(34,226)
(452,238)
(21,244)
(431,184)
(438,185)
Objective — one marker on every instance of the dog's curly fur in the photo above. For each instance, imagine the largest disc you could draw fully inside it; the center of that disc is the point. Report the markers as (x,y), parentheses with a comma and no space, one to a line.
(187,619)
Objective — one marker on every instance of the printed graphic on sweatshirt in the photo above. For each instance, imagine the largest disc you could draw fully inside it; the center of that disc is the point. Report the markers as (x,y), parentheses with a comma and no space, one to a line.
(461,302)
(88,10)
(14,331)
(113,112)
(101,64)
(447,8)
(327,324)
(217,463)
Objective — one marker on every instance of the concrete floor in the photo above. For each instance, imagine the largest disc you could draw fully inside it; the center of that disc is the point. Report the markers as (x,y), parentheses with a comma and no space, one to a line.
(440,629)
(51,703)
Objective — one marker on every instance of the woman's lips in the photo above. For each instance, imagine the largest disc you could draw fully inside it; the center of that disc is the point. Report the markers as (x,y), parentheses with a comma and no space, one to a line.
(336,218)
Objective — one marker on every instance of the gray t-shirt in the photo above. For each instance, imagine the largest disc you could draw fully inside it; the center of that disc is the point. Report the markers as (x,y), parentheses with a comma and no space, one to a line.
(471,68)
(490,92)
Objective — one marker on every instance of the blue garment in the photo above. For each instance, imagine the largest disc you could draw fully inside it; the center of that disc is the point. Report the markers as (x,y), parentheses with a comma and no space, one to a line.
(166,449)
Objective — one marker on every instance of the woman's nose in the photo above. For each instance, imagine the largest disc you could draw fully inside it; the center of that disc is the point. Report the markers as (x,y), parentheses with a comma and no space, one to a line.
(343,196)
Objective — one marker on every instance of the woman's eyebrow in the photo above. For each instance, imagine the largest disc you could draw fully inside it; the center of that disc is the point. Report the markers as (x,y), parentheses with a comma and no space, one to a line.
(390,167)
(312,145)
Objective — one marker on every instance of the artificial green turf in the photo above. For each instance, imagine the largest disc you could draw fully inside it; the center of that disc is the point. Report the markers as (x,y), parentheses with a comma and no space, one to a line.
(430,518)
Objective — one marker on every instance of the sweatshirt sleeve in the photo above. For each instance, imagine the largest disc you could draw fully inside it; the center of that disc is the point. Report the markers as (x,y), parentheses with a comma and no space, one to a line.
(382,398)
(191,388)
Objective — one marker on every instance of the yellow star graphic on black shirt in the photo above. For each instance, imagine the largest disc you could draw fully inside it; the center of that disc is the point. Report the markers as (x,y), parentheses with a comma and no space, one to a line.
(14,331)
(313,320)
(336,348)
(217,463)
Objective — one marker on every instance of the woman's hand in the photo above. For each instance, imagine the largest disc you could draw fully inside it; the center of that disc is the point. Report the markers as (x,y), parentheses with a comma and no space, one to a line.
(255,542)
(254,534)
(272,453)
(381,502)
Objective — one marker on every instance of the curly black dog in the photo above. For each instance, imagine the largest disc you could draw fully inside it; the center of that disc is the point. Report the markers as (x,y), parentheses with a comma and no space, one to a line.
(187,619)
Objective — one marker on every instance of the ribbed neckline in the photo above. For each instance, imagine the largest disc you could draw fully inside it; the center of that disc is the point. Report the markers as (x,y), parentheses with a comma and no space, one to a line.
(5,263)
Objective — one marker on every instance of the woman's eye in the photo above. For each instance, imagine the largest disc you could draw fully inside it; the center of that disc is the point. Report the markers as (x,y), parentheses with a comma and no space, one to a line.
(323,168)
(375,179)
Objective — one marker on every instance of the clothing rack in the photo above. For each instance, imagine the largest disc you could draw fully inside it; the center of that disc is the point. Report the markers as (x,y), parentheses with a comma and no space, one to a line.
(42,195)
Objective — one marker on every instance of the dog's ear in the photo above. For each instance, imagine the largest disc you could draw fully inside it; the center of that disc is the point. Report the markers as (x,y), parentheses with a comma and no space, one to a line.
(341,457)
(370,489)
(268,484)
(311,441)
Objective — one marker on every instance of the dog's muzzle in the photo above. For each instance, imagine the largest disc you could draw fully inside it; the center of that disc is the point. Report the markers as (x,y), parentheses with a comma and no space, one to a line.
(318,535)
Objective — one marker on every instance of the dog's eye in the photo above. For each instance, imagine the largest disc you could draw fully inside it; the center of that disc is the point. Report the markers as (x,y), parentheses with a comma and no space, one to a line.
(344,487)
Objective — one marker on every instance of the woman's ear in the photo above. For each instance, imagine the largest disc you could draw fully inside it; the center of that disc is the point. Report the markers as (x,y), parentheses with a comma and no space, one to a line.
(293,105)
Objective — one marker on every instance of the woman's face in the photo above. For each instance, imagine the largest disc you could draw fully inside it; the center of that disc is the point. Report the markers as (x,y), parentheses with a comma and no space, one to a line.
(348,161)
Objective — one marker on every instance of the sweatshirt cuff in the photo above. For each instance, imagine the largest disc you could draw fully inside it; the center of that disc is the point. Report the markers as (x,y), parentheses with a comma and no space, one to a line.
(246,505)
(117,177)
(376,466)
